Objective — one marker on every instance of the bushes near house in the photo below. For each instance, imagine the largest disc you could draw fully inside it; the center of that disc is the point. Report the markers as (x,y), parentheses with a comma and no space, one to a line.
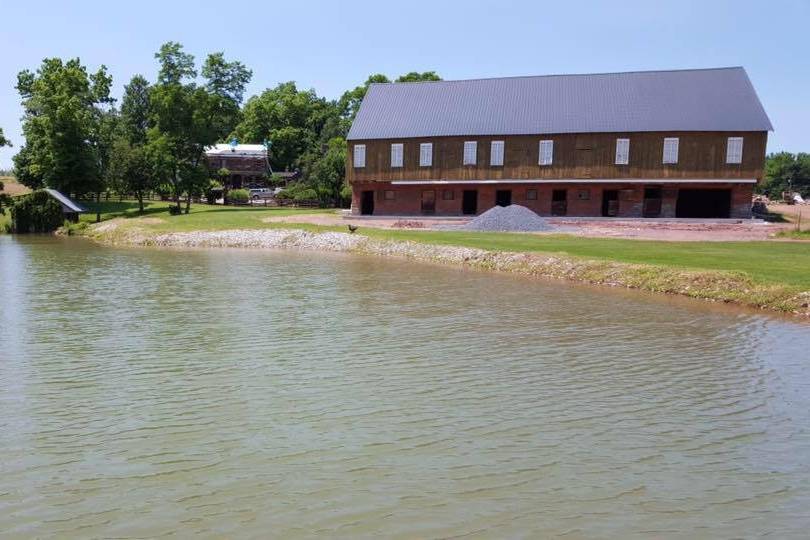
(238,196)
(37,212)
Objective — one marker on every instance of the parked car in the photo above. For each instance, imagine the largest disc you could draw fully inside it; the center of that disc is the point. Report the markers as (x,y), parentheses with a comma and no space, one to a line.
(261,193)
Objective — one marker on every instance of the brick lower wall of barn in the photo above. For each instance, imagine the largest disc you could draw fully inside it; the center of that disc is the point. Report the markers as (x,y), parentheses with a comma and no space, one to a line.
(582,200)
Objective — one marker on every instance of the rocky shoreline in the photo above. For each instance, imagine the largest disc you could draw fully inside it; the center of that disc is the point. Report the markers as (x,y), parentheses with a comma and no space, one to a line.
(727,287)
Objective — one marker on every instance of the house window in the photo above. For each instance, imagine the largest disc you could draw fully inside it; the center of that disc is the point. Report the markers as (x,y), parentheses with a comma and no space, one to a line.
(734,150)
(447,195)
(470,152)
(531,194)
(426,154)
(546,152)
(396,155)
(671,150)
(622,151)
(496,154)
(359,155)
(388,195)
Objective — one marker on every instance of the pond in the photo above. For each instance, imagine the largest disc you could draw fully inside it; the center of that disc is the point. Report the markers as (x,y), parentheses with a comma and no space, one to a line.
(239,393)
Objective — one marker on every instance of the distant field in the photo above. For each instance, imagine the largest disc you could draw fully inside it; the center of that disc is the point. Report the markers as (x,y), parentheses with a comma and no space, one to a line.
(11,187)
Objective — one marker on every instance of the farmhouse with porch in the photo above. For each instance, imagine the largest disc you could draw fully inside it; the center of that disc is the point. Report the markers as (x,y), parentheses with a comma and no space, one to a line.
(247,163)
(687,143)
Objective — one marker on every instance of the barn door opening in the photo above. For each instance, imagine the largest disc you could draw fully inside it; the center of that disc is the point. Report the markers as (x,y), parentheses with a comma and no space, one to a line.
(503,197)
(429,202)
(469,202)
(703,203)
(367,203)
(559,202)
(610,202)
(652,202)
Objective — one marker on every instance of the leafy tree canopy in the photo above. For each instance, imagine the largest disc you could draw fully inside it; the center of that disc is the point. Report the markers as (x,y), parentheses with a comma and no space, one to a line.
(62,123)
(785,171)
(415,76)
(3,140)
(185,117)
(135,110)
(291,119)
(175,64)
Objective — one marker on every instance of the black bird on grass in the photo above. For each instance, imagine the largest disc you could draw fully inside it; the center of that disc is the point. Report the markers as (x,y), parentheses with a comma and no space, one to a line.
(352,228)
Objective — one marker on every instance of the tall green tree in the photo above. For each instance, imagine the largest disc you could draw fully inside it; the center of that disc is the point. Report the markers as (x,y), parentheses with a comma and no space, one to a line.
(131,171)
(3,140)
(186,118)
(135,111)
(291,119)
(64,108)
(327,173)
(785,171)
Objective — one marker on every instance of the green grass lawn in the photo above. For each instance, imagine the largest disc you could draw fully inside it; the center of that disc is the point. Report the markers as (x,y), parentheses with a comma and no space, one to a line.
(202,216)
(786,263)
(781,262)
(767,262)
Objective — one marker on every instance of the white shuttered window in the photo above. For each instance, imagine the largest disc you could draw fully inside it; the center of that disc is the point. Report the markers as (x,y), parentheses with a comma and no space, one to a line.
(546,152)
(396,154)
(426,154)
(734,150)
(670,150)
(359,155)
(622,151)
(496,154)
(470,152)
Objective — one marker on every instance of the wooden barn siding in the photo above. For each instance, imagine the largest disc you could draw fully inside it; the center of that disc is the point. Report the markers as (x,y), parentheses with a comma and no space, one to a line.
(700,155)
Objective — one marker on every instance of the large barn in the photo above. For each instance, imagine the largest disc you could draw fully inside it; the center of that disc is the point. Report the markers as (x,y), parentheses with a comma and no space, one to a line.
(687,143)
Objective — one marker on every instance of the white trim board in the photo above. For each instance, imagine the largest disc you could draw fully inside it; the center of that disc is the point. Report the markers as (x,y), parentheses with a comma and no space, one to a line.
(581,181)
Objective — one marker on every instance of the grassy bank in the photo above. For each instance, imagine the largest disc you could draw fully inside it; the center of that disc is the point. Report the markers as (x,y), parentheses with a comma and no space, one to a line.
(784,263)
(765,274)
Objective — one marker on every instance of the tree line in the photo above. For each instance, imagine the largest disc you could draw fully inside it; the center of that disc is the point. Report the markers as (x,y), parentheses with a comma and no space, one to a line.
(785,171)
(80,141)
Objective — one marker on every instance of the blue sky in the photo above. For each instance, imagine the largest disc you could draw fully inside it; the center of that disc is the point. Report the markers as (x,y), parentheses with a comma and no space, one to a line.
(333,46)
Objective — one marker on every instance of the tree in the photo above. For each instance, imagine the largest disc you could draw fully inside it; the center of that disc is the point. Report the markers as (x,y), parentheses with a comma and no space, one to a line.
(131,171)
(186,118)
(785,171)
(291,119)
(415,76)
(327,173)
(135,111)
(3,140)
(63,111)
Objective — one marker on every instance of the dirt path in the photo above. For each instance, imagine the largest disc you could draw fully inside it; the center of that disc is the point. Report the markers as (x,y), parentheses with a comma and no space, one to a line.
(632,229)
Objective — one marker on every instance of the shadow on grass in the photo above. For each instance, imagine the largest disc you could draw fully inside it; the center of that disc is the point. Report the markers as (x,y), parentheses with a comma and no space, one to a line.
(773,217)
(123,209)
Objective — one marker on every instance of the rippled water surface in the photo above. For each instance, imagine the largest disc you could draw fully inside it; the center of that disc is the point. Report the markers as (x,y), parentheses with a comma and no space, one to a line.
(233,393)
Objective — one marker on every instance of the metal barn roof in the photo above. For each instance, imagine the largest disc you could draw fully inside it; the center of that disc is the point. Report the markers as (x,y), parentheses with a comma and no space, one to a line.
(67,204)
(720,99)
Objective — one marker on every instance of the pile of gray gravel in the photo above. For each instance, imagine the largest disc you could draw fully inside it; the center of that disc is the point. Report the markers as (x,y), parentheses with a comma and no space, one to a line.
(508,218)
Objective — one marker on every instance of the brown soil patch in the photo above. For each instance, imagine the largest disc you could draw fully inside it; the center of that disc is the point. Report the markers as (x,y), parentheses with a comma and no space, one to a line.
(12,187)
(679,231)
